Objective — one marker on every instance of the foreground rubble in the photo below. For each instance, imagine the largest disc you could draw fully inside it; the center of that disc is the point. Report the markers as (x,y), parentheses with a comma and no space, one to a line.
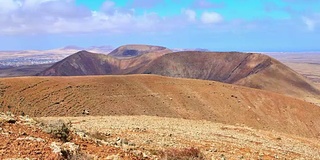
(144,137)
(154,137)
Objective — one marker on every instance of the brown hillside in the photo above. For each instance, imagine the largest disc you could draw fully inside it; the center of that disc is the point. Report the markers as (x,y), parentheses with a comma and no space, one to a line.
(80,63)
(87,63)
(129,51)
(251,70)
(159,96)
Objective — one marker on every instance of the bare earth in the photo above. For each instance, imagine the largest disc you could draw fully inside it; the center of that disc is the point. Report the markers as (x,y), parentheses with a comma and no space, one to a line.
(159,96)
(145,137)
(307,64)
(131,118)
(215,140)
(309,70)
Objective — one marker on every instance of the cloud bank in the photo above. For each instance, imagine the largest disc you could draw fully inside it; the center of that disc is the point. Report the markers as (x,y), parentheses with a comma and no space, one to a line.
(34,23)
(64,16)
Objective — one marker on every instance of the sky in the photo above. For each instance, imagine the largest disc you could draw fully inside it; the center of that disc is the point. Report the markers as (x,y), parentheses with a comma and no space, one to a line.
(218,25)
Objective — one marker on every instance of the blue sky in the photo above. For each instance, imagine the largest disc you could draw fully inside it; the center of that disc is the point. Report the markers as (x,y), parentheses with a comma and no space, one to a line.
(220,25)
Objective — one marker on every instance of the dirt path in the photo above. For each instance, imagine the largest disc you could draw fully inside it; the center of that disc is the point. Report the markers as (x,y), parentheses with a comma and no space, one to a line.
(214,140)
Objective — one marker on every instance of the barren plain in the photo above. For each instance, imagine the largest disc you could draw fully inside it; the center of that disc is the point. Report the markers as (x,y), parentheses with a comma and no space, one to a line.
(307,64)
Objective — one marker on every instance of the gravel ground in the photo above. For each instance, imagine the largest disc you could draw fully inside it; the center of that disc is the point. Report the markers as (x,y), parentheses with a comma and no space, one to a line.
(214,140)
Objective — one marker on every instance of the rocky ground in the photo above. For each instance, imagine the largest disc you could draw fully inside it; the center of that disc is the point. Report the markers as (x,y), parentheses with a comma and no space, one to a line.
(156,135)
(143,137)
(24,138)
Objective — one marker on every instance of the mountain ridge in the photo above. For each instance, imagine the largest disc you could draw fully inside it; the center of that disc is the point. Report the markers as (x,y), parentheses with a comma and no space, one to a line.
(246,69)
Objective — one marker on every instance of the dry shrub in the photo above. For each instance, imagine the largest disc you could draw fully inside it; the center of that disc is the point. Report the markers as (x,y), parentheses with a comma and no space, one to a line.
(77,156)
(61,130)
(100,136)
(183,154)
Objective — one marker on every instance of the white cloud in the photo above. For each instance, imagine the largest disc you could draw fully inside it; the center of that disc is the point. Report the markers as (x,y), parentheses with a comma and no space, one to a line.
(191,14)
(19,17)
(211,17)
(64,16)
(310,23)
(8,6)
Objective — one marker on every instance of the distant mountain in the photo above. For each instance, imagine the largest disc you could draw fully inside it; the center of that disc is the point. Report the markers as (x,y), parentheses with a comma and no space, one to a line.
(81,63)
(87,63)
(100,49)
(72,47)
(191,49)
(246,69)
(129,51)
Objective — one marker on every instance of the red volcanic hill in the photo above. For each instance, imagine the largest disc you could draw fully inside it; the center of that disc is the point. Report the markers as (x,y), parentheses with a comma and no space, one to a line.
(246,69)
(81,63)
(123,60)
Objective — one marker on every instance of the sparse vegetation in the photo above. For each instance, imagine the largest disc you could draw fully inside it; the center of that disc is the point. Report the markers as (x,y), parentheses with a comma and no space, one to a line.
(100,135)
(183,154)
(61,130)
(70,155)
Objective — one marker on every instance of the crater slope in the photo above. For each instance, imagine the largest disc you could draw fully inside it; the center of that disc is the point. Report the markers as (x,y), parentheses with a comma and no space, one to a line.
(251,70)
(159,96)
(246,69)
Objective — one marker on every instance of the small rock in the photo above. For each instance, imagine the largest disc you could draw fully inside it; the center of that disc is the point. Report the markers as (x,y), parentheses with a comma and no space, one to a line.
(214,150)
(31,139)
(12,120)
(24,134)
(131,144)
(85,112)
(81,134)
(70,147)
(125,141)
(148,141)
(8,113)
(55,148)
(113,157)
(27,120)
(120,142)
(223,157)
